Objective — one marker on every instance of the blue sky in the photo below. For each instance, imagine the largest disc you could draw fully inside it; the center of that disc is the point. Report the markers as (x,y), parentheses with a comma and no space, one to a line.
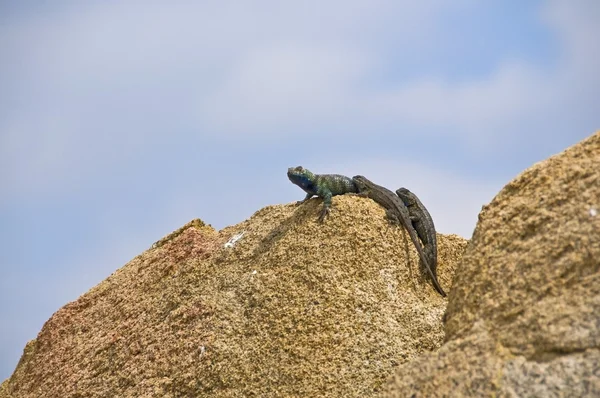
(122,120)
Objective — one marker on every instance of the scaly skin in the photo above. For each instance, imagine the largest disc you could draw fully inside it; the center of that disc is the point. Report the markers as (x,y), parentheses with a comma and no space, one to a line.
(422,223)
(324,186)
(398,212)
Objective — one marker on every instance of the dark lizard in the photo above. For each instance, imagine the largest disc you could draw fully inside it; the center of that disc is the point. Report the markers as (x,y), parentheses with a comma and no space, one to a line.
(396,212)
(423,224)
(324,186)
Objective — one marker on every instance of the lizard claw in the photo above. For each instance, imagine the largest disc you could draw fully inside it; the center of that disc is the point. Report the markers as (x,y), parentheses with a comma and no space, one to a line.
(324,213)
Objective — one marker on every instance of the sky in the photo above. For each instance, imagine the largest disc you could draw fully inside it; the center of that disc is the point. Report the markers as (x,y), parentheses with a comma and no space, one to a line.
(120,121)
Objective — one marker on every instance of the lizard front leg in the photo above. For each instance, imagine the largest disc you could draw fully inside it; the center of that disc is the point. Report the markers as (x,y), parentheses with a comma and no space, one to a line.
(326,205)
(307,197)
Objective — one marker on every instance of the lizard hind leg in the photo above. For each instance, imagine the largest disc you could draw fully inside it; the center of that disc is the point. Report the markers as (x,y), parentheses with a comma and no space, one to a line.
(392,217)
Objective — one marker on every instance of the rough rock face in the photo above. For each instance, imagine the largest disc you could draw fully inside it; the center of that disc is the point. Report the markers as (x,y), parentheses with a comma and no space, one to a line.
(295,308)
(523,315)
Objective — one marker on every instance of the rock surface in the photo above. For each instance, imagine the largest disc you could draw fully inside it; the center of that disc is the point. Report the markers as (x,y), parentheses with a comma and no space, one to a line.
(295,308)
(523,315)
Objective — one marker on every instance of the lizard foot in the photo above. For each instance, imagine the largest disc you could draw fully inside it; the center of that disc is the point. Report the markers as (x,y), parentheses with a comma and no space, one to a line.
(324,213)
(392,217)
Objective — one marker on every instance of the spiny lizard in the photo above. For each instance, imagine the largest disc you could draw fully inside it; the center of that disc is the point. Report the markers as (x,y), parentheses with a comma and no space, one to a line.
(323,185)
(396,211)
(423,223)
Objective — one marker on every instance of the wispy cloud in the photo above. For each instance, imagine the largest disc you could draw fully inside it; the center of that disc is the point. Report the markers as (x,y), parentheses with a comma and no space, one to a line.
(135,73)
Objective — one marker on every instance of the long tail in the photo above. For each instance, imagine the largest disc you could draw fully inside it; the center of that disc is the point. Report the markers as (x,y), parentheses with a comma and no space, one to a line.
(436,284)
(425,261)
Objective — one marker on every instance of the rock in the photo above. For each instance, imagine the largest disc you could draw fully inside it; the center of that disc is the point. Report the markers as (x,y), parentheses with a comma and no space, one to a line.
(523,315)
(294,308)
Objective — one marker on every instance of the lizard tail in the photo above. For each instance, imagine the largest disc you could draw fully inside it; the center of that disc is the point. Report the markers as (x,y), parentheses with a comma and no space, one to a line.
(436,284)
(438,287)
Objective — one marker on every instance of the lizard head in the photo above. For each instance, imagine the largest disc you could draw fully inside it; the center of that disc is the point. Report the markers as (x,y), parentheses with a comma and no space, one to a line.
(405,195)
(300,176)
(360,182)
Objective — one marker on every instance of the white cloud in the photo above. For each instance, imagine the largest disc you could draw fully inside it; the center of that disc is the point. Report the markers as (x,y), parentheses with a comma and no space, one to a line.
(100,82)
(92,84)
(288,88)
(279,89)
(496,109)
(578,29)
(470,106)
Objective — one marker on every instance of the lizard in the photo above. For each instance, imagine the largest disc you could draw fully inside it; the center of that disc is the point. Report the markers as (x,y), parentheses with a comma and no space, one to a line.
(324,186)
(397,212)
(423,223)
